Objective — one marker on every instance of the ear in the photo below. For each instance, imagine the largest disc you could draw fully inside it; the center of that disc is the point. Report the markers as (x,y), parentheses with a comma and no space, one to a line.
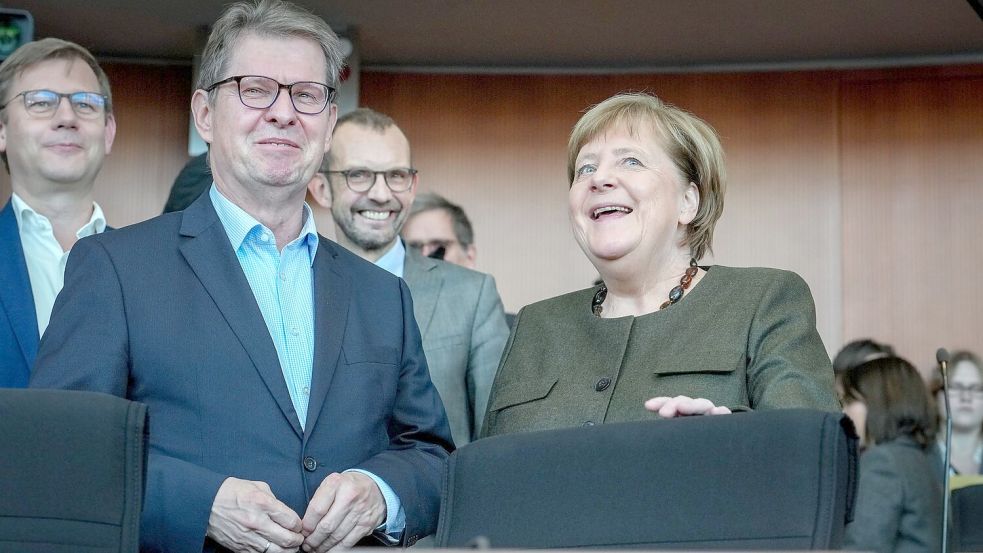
(202,112)
(689,205)
(110,132)
(332,120)
(3,135)
(471,253)
(320,190)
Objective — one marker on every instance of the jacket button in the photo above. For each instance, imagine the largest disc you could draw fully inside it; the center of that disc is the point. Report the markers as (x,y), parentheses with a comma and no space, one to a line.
(588,423)
(602,384)
(310,464)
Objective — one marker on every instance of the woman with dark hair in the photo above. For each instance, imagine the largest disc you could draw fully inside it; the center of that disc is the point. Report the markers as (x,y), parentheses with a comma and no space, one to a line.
(858,352)
(899,498)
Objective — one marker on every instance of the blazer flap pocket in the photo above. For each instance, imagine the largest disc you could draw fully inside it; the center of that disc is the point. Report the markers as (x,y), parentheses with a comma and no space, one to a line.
(521,392)
(711,362)
(370,353)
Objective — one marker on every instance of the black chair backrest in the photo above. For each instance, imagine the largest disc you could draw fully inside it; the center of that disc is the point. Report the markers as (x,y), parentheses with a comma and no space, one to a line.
(72,471)
(967,518)
(781,479)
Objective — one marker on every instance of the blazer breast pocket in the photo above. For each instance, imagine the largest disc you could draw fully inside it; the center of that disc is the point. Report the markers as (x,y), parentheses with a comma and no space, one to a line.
(719,376)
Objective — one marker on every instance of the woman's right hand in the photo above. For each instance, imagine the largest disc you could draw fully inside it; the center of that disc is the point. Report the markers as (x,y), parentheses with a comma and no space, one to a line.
(684,406)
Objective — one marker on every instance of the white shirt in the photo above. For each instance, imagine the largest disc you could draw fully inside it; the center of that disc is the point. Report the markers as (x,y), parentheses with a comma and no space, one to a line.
(393,259)
(44,256)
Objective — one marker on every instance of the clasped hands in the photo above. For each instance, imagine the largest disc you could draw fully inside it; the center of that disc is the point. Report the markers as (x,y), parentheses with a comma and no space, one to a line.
(246,516)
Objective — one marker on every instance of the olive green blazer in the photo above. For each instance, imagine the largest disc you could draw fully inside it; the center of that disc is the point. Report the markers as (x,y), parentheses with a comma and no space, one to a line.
(743,338)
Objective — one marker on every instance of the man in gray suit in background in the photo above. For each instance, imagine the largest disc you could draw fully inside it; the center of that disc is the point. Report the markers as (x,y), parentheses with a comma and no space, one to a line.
(368,182)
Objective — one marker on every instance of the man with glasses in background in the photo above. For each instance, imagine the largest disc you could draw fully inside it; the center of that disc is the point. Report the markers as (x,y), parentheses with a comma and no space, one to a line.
(440,229)
(368,182)
(287,387)
(56,127)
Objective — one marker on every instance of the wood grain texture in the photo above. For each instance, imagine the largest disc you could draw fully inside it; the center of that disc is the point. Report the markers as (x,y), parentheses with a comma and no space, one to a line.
(912,193)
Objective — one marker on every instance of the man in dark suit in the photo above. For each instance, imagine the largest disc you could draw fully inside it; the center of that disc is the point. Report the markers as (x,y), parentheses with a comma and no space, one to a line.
(289,398)
(368,182)
(56,127)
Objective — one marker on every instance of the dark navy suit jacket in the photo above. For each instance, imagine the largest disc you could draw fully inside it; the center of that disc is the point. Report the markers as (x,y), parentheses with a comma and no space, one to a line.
(161,312)
(18,318)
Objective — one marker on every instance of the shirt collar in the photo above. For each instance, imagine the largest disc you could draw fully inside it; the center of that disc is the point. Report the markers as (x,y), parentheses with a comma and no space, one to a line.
(26,214)
(394,259)
(239,224)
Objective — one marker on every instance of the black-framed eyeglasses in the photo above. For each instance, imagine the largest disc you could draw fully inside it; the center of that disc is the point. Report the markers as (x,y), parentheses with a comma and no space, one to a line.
(44,103)
(361,180)
(259,92)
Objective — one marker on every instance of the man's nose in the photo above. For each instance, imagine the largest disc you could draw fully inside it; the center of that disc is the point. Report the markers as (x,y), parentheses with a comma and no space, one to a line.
(65,115)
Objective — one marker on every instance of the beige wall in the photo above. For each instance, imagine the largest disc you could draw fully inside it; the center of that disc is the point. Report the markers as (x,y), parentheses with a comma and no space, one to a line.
(867,183)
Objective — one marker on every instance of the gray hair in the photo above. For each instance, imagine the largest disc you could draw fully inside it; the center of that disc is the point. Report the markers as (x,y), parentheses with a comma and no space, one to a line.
(428,201)
(271,18)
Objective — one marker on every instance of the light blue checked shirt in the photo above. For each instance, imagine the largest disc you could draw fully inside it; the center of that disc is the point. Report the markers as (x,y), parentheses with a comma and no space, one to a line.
(283,285)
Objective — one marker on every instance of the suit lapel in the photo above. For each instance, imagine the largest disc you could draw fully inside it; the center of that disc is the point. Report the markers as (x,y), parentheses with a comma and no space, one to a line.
(211,257)
(332,297)
(424,281)
(16,295)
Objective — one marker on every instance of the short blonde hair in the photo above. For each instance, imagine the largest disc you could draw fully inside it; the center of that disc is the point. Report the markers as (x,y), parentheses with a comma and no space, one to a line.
(690,143)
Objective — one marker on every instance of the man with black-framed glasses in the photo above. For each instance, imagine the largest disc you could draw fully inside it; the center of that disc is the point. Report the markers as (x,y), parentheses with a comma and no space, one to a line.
(56,127)
(288,390)
(368,182)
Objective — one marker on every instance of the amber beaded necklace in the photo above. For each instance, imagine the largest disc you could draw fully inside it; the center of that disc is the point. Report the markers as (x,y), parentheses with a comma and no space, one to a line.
(675,294)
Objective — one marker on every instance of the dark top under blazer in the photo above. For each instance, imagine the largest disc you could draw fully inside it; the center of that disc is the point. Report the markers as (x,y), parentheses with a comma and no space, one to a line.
(18,315)
(161,312)
(742,338)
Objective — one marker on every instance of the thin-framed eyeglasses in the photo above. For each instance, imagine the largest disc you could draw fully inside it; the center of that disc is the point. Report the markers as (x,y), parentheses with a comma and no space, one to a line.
(44,103)
(259,92)
(359,179)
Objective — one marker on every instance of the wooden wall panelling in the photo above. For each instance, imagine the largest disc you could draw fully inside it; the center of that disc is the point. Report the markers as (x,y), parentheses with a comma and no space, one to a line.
(912,197)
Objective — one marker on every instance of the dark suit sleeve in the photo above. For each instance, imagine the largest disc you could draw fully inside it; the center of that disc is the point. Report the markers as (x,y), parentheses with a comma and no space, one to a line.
(420,441)
(488,337)
(787,363)
(880,499)
(86,347)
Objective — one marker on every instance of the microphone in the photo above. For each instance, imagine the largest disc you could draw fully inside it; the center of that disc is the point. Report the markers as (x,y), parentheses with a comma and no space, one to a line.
(942,357)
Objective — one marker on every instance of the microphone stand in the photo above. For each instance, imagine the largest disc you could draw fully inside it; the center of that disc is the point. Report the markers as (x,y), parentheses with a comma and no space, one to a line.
(942,356)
